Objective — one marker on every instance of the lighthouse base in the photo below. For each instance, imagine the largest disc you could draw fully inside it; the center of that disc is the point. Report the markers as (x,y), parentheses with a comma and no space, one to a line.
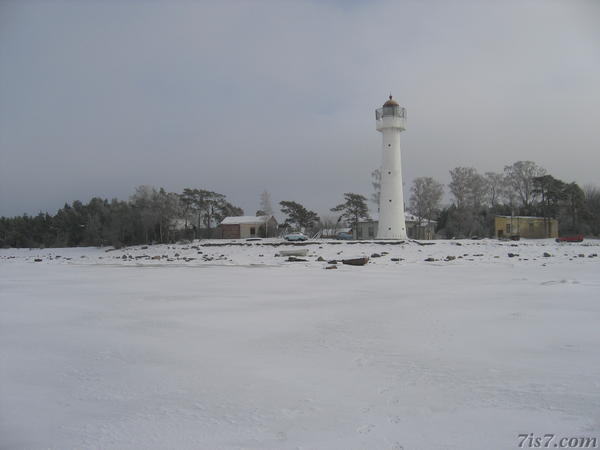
(391,234)
(392,238)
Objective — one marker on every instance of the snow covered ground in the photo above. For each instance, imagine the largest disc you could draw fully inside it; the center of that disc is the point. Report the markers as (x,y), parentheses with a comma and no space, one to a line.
(239,349)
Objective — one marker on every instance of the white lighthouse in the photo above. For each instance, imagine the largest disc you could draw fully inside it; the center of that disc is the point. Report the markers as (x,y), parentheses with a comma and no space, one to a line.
(391,120)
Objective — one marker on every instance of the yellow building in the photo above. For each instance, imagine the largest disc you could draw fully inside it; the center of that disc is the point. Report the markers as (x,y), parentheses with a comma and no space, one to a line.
(526,227)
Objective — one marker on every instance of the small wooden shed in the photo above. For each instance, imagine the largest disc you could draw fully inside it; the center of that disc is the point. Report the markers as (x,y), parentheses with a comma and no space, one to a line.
(243,227)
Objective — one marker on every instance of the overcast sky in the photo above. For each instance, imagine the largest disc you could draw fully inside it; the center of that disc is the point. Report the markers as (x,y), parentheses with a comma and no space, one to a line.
(97,97)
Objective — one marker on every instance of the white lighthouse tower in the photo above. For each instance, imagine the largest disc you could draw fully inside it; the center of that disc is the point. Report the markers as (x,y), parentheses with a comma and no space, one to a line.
(391,120)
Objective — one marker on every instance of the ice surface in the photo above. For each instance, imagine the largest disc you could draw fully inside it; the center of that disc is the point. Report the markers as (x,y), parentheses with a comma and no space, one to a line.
(233,350)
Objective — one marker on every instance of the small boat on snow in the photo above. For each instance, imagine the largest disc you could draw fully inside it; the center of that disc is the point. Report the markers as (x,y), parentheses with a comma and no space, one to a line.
(295,252)
(356,261)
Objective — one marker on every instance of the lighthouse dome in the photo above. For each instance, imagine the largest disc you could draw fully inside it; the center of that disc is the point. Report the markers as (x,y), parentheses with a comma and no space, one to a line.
(391,102)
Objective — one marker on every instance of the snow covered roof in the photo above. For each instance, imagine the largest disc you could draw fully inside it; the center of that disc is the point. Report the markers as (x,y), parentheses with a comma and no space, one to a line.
(407,216)
(412,218)
(239,220)
(524,217)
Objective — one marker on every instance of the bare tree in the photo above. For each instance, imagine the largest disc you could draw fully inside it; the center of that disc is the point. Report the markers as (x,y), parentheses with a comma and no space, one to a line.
(519,177)
(495,187)
(468,189)
(461,185)
(330,223)
(425,197)
(166,205)
(265,203)
(143,201)
(477,193)
(376,182)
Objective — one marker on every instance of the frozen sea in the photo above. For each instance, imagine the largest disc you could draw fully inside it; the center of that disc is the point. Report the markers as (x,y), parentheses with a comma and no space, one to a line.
(233,347)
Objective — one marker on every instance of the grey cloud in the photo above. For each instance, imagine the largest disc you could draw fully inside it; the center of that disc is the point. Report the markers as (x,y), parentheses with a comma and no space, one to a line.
(238,97)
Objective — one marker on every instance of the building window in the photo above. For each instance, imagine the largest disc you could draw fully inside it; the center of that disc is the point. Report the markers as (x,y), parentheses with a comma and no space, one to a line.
(252,231)
(507,228)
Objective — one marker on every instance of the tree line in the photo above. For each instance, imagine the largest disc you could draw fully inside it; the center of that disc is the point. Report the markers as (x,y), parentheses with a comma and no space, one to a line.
(154,215)
(521,189)
(150,215)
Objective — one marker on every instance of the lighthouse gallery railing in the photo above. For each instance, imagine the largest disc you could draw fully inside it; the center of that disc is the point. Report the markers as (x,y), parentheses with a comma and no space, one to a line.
(396,111)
